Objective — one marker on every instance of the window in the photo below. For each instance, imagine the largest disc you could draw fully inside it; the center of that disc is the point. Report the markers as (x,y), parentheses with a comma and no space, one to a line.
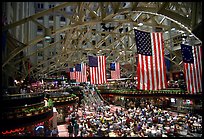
(40,29)
(52,63)
(158,29)
(124,4)
(110,41)
(94,31)
(40,18)
(40,53)
(104,44)
(61,37)
(40,42)
(39,5)
(53,40)
(62,18)
(42,6)
(126,29)
(51,27)
(51,17)
(120,30)
(93,42)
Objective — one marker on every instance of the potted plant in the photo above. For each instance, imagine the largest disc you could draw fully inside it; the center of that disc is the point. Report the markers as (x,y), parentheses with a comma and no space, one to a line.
(40,109)
(36,111)
(32,111)
(28,113)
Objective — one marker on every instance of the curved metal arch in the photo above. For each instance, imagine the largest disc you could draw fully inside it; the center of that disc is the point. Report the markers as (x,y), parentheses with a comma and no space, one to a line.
(161,8)
(143,9)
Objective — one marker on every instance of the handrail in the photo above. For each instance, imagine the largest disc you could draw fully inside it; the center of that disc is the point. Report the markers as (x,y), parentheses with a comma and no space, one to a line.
(17,96)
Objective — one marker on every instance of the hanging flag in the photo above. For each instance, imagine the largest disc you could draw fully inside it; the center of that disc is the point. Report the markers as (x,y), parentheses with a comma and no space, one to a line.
(72,74)
(115,70)
(151,69)
(97,69)
(81,73)
(192,59)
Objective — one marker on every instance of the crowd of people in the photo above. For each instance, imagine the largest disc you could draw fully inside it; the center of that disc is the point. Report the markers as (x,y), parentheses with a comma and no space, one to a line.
(133,84)
(147,121)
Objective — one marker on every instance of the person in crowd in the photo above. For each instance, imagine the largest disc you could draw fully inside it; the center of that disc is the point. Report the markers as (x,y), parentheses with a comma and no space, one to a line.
(76,129)
(55,132)
(70,130)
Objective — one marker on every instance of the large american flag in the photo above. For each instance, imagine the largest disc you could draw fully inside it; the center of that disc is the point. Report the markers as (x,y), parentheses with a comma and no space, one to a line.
(151,69)
(97,69)
(192,59)
(115,70)
(72,73)
(81,73)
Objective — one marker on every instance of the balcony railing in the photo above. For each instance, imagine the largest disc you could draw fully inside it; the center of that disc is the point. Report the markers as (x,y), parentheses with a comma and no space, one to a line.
(177,92)
(25,117)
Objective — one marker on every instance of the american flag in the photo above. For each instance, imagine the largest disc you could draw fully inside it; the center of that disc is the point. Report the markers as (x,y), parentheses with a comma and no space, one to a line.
(192,59)
(115,70)
(97,69)
(72,74)
(81,73)
(151,69)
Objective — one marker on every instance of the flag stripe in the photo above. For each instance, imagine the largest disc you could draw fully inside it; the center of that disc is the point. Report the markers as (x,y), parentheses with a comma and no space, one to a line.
(139,70)
(151,73)
(158,62)
(199,67)
(155,61)
(192,78)
(195,68)
(186,75)
(160,67)
(145,71)
(163,65)
(142,73)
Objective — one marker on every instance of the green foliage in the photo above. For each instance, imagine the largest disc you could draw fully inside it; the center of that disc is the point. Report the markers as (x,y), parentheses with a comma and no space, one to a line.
(50,102)
(73,95)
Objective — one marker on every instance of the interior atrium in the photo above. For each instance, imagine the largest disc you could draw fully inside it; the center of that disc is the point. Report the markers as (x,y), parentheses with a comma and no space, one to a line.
(101,69)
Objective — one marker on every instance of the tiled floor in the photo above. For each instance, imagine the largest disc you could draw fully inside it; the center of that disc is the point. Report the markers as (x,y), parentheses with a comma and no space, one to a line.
(63,132)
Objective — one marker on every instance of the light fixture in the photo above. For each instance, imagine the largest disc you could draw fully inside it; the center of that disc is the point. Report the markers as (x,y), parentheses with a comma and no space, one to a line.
(47,35)
(191,35)
(181,31)
(140,24)
(166,32)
